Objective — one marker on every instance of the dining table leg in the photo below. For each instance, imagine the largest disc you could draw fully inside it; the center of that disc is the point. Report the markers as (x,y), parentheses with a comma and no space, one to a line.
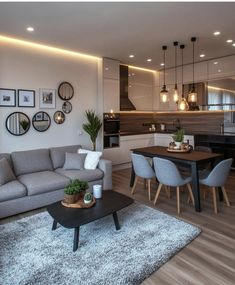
(196,189)
(132,176)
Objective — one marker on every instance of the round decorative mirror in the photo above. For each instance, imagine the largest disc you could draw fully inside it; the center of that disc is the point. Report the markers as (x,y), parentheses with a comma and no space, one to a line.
(41,121)
(65,91)
(67,107)
(59,117)
(17,123)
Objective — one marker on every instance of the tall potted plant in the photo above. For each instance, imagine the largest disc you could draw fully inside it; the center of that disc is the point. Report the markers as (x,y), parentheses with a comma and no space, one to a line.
(92,127)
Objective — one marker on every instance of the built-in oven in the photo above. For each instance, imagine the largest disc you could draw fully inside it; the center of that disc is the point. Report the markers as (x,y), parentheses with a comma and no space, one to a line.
(111,130)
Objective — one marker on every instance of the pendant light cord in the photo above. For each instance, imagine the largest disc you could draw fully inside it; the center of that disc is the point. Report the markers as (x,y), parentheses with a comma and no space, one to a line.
(164,58)
(182,58)
(175,65)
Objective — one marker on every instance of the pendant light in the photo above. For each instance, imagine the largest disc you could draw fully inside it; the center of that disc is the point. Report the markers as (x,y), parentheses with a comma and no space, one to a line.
(176,93)
(164,97)
(182,105)
(192,96)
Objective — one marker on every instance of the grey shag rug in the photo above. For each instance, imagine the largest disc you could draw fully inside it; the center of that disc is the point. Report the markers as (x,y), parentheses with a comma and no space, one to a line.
(30,253)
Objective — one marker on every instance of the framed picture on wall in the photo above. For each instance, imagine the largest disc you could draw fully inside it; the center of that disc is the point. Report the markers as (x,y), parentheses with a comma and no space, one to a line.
(26,98)
(47,98)
(7,97)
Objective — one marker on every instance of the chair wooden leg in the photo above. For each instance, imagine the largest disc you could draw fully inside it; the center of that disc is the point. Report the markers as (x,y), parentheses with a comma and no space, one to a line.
(157,194)
(145,183)
(191,193)
(168,191)
(225,196)
(214,200)
(149,188)
(178,199)
(135,182)
(204,194)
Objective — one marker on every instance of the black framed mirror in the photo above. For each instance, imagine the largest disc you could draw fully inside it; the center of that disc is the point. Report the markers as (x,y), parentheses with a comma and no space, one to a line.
(41,121)
(17,123)
(65,91)
(67,107)
(59,117)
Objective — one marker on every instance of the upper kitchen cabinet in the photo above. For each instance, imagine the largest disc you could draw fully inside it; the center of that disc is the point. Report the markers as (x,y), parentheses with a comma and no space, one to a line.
(221,67)
(111,91)
(111,68)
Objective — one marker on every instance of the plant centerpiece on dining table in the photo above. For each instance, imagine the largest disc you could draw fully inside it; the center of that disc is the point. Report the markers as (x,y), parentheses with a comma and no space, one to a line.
(75,190)
(178,138)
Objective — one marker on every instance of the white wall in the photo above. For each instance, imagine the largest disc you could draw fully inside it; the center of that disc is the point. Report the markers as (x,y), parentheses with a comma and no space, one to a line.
(23,67)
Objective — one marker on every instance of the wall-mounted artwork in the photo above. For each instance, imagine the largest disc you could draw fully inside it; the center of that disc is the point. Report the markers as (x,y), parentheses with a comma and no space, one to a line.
(47,99)
(7,97)
(26,98)
(65,91)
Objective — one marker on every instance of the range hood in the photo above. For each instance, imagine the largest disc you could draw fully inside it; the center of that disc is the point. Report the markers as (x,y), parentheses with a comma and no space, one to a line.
(125,102)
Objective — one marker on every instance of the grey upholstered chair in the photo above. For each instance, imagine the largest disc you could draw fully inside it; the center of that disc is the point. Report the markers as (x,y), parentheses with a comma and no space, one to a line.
(142,169)
(168,174)
(217,178)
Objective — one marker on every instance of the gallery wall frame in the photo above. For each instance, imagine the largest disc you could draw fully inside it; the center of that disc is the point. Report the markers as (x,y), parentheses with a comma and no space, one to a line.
(47,98)
(7,97)
(26,98)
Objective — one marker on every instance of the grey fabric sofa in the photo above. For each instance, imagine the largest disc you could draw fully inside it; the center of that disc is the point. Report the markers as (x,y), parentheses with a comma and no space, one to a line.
(40,178)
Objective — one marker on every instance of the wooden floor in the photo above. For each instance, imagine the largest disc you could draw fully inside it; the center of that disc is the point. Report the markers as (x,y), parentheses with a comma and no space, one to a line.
(210,258)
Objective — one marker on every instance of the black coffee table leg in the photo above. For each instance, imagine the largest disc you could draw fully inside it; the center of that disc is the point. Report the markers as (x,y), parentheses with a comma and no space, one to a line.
(54,225)
(76,239)
(116,222)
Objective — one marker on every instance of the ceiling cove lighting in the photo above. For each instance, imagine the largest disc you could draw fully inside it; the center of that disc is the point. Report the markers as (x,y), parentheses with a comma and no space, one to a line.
(164,93)
(192,96)
(30,29)
(176,93)
(45,48)
(216,33)
(183,104)
(140,68)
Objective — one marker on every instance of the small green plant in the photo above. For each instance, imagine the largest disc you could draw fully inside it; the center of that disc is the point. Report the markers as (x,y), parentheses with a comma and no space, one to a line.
(92,127)
(76,186)
(82,185)
(178,136)
(88,197)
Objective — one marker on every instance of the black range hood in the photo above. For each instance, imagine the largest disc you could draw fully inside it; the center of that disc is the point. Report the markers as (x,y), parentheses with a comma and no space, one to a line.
(125,102)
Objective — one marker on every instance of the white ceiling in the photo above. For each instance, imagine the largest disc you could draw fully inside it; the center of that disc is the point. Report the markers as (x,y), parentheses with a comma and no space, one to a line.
(116,30)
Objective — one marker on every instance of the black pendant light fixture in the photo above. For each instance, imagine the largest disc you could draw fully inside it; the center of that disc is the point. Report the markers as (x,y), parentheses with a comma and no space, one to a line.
(164,96)
(192,96)
(183,105)
(176,92)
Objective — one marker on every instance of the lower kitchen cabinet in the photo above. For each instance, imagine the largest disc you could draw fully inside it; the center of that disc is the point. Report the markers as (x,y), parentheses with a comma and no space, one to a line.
(161,139)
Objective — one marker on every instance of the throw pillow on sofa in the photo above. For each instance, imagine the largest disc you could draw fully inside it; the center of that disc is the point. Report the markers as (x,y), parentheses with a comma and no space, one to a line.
(92,158)
(74,161)
(6,173)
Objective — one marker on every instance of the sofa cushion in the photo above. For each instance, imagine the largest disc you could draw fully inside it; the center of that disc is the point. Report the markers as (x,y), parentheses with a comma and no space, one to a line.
(92,158)
(42,182)
(31,161)
(8,157)
(12,190)
(85,174)
(6,173)
(74,161)
(58,154)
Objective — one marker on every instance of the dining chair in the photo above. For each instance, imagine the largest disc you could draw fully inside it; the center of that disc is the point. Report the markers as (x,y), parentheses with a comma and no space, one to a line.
(142,169)
(217,178)
(168,174)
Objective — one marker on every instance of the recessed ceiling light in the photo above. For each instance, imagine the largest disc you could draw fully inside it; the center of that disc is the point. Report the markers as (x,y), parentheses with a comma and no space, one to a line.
(30,29)
(106,68)
(229,41)
(131,55)
(149,59)
(215,62)
(217,33)
(202,55)
(234,44)
(219,70)
(162,64)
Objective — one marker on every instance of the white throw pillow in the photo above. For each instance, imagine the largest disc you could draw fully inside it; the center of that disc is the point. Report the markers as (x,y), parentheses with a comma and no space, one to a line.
(92,158)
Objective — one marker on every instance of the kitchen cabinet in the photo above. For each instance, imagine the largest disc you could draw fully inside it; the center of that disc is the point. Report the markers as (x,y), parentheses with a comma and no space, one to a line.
(122,154)
(161,139)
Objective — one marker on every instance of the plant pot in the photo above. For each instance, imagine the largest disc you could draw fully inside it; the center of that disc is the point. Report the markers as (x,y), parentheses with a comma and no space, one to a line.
(177,145)
(71,199)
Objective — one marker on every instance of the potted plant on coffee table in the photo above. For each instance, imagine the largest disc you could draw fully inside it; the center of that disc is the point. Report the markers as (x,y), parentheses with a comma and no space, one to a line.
(88,198)
(178,138)
(71,193)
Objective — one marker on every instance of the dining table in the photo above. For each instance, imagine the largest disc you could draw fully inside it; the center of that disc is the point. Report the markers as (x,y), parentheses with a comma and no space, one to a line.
(192,158)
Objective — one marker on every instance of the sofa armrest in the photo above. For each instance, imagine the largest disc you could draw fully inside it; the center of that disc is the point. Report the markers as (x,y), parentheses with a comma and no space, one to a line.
(106,166)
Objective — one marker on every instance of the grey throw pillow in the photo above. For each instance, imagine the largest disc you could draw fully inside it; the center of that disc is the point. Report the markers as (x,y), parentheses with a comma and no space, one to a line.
(6,173)
(74,161)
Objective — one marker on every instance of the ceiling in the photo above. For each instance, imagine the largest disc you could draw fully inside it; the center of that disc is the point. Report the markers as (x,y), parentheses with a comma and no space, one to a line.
(117,30)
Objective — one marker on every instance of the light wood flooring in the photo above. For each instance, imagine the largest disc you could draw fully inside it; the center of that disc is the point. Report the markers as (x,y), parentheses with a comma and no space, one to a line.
(210,258)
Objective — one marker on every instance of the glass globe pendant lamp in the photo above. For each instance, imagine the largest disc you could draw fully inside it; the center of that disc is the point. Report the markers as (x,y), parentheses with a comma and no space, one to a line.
(192,96)
(183,104)
(164,96)
(176,92)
